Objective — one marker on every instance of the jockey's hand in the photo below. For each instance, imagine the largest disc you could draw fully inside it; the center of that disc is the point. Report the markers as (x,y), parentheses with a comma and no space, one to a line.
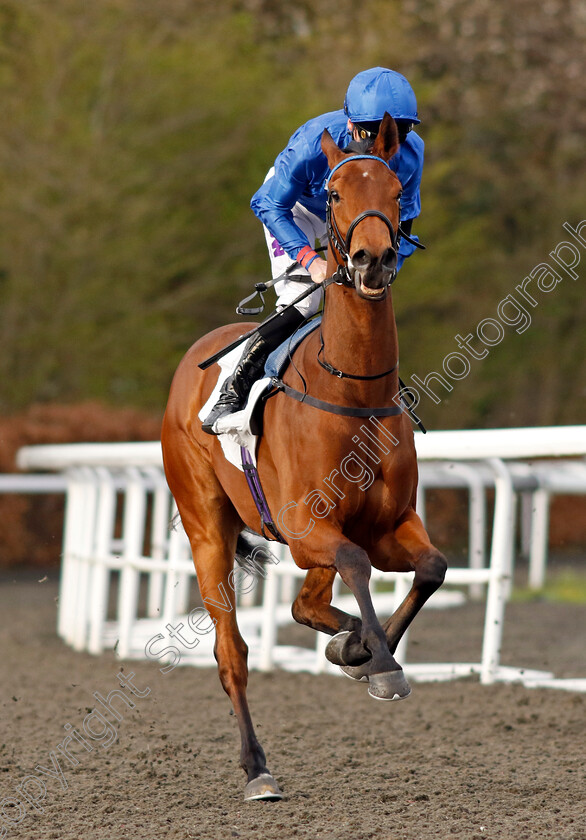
(318,270)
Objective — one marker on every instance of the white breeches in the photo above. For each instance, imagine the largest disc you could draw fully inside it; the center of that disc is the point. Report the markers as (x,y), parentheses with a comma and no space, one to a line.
(287,290)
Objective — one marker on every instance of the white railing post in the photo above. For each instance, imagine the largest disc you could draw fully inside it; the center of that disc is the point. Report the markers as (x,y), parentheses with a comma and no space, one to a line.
(133,534)
(539,538)
(476,523)
(100,574)
(81,591)
(161,518)
(500,570)
(75,501)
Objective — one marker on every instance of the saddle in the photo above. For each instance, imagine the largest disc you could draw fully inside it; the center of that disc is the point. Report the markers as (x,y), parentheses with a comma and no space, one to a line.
(242,429)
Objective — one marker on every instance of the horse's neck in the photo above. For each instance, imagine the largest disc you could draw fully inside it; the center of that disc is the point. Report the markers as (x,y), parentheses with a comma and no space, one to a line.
(360,337)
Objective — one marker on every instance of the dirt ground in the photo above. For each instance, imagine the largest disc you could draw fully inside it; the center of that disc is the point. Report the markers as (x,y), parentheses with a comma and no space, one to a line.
(455,760)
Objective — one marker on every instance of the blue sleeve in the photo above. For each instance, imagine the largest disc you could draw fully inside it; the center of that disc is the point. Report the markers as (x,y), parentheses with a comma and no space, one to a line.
(273,202)
(409,167)
(409,170)
(405,250)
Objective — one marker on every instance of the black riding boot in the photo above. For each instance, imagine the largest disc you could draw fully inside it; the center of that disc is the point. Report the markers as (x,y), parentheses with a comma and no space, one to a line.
(236,388)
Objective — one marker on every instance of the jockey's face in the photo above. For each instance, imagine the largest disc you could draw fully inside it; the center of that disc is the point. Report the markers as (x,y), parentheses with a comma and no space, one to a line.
(403,127)
(358,134)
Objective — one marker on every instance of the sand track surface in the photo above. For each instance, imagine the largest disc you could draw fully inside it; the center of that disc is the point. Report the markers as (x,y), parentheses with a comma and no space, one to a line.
(455,760)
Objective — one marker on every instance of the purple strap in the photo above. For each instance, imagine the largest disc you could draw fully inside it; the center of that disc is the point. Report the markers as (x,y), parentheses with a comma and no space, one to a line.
(257,493)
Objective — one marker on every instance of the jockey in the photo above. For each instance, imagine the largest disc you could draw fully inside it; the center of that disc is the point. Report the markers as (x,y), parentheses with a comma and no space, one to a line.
(291,204)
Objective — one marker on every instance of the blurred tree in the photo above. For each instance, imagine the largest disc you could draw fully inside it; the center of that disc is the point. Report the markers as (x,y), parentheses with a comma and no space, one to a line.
(135,131)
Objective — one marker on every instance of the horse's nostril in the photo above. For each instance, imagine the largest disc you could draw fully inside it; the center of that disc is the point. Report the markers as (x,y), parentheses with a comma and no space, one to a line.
(389,259)
(362,259)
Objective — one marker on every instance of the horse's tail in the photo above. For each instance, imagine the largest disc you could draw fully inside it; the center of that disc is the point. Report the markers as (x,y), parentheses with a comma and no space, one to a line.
(249,547)
(244,548)
(253,553)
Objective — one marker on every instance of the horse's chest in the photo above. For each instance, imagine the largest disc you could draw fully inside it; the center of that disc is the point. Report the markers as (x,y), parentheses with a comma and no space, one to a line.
(360,483)
(384,502)
(364,494)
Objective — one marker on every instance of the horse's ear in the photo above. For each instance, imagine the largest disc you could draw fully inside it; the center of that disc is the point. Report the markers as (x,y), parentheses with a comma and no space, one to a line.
(330,149)
(387,141)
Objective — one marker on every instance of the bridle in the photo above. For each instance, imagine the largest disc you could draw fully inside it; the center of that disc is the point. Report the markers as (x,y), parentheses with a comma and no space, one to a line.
(341,244)
(344,276)
(345,273)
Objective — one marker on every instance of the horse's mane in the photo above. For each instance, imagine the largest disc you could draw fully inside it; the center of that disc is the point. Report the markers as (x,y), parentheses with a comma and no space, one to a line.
(360,147)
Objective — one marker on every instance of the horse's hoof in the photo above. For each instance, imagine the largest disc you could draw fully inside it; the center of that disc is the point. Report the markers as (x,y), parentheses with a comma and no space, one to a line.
(335,647)
(391,685)
(263,787)
(360,673)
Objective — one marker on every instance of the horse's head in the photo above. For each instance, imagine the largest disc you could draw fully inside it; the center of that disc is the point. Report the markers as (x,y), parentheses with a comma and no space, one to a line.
(363,211)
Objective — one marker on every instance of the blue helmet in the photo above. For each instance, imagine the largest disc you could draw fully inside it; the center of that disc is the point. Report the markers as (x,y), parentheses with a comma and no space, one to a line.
(377,90)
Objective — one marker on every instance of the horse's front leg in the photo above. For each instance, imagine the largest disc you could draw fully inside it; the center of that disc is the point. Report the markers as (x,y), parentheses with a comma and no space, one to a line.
(386,678)
(430,569)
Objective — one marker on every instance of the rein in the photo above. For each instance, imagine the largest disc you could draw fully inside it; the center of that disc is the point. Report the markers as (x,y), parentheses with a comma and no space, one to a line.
(341,248)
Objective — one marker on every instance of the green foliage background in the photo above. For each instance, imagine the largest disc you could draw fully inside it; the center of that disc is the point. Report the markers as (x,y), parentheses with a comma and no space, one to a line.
(134,132)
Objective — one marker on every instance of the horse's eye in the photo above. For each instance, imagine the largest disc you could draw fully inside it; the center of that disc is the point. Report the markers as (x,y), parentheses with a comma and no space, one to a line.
(399,196)
(334,196)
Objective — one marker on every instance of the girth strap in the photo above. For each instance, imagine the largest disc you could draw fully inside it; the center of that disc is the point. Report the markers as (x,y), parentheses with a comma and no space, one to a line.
(332,408)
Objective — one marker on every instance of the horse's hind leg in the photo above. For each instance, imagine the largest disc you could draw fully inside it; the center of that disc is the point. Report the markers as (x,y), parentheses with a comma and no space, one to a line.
(313,605)
(231,652)
(212,525)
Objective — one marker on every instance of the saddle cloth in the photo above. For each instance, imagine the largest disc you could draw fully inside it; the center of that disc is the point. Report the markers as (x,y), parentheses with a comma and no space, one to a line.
(235,430)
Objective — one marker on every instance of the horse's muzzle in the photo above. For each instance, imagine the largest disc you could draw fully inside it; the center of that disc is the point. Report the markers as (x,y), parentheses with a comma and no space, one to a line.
(372,275)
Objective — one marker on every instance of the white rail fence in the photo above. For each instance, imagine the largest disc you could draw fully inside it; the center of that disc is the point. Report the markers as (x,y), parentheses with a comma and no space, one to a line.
(35,484)
(128,581)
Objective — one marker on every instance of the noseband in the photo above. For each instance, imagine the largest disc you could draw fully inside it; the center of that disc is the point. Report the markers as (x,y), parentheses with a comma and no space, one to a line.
(341,244)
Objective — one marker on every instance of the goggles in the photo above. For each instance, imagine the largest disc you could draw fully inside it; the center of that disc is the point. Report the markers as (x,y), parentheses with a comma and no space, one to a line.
(369,130)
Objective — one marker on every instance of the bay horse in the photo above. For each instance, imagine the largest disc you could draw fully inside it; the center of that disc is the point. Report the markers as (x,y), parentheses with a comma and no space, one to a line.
(368,519)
